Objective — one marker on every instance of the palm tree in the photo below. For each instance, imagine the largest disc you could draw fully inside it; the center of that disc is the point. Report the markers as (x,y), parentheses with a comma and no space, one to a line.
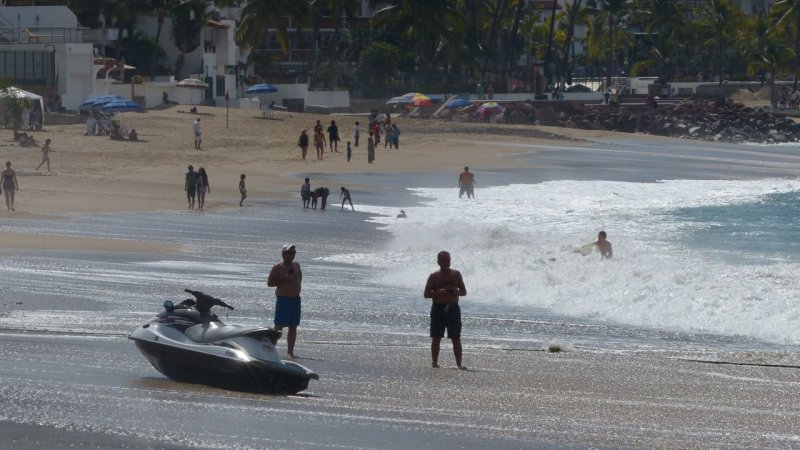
(614,14)
(188,18)
(257,17)
(425,24)
(720,20)
(789,11)
(774,58)
(663,22)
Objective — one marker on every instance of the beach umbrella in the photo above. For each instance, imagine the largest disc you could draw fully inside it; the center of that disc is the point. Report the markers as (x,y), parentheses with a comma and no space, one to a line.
(97,101)
(261,88)
(421,100)
(402,100)
(490,108)
(458,103)
(121,106)
(192,83)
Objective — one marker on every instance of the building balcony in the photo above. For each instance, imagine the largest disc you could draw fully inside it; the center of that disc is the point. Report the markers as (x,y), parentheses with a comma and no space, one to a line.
(42,35)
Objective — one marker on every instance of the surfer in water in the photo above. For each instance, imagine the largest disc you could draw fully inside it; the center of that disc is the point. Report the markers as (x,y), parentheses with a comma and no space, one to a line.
(603,246)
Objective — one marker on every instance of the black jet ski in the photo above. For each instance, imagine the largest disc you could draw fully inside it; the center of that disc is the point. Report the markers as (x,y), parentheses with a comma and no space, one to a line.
(189,343)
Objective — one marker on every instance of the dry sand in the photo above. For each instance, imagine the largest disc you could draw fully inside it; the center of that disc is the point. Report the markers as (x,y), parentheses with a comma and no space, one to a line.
(96,174)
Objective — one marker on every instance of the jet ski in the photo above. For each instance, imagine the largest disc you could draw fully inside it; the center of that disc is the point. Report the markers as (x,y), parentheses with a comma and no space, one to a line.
(189,343)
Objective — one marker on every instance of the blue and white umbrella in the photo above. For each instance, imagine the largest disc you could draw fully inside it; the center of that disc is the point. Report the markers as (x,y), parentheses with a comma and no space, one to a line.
(97,101)
(121,106)
(458,103)
(402,100)
(261,88)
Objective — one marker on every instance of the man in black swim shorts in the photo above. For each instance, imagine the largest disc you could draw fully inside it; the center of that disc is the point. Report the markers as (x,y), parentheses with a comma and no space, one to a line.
(444,287)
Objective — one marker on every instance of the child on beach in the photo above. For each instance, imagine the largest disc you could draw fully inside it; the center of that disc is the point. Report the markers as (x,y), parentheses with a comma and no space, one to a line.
(345,196)
(305,193)
(198,134)
(242,189)
(349,151)
(45,155)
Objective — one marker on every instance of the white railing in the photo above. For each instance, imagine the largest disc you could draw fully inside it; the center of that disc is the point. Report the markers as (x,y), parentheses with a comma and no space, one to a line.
(37,35)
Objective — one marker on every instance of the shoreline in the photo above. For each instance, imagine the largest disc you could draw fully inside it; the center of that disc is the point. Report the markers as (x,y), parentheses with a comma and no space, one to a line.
(96,174)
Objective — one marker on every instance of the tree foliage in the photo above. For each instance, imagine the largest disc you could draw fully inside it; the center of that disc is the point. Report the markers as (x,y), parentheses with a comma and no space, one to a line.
(377,66)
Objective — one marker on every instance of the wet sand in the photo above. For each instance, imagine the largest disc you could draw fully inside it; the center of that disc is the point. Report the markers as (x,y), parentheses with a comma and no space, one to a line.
(71,378)
(372,395)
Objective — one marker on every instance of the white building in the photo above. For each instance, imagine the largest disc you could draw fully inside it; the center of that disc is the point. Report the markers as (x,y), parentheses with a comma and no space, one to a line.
(42,50)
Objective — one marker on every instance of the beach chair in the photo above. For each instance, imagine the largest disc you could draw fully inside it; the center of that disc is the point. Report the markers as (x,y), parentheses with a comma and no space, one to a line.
(32,37)
(266,111)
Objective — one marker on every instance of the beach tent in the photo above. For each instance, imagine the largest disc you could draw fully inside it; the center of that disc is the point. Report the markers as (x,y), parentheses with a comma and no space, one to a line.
(19,93)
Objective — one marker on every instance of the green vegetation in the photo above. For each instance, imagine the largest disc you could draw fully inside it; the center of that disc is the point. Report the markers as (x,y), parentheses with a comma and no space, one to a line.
(450,45)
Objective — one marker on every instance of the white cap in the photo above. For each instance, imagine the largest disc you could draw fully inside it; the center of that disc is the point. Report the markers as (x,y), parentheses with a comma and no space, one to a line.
(287,247)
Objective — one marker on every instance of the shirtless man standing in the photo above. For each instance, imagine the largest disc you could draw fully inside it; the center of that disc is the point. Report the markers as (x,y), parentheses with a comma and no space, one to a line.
(444,287)
(466,182)
(287,278)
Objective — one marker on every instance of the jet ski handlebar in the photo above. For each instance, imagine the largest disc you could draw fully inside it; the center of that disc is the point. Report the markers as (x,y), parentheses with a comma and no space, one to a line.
(205,301)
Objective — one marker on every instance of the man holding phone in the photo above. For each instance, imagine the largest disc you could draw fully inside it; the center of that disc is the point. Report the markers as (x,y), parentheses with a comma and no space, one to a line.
(286,278)
(444,287)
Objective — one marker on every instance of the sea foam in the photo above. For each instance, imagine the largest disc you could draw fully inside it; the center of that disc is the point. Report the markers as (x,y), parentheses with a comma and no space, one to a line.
(515,246)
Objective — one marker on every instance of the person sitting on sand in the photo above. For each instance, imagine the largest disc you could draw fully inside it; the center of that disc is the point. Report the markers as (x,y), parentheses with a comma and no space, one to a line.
(132,135)
(45,155)
(27,141)
(345,196)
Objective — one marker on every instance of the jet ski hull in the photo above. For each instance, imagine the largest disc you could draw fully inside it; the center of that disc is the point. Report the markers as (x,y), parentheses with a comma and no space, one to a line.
(191,366)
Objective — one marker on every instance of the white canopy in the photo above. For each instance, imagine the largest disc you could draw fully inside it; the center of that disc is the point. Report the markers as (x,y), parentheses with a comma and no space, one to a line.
(19,93)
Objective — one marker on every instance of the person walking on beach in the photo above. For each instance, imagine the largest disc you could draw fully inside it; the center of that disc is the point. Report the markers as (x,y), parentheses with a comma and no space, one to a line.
(466,183)
(287,278)
(371,148)
(387,136)
(10,185)
(319,144)
(305,193)
(242,189)
(333,136)
(198,134)
(46,150)
(349,151)
(203,187)
(356,133)
(190,186)
(302,142)
(345,196)
(444,287)
(396,136)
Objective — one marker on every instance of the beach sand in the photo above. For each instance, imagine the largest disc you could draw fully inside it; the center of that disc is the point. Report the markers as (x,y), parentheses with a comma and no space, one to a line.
(375,391)
(96,174)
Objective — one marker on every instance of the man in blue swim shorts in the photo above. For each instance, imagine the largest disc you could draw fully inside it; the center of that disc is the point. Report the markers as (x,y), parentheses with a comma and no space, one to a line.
(444,287)
(287,278)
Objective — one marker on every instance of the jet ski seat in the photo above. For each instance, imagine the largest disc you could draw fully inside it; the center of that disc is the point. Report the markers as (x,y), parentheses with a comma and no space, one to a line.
(205,333)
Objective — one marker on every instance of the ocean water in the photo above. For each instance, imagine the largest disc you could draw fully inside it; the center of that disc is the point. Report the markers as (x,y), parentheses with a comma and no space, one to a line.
(697,262)
(705,263)
(692,256)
